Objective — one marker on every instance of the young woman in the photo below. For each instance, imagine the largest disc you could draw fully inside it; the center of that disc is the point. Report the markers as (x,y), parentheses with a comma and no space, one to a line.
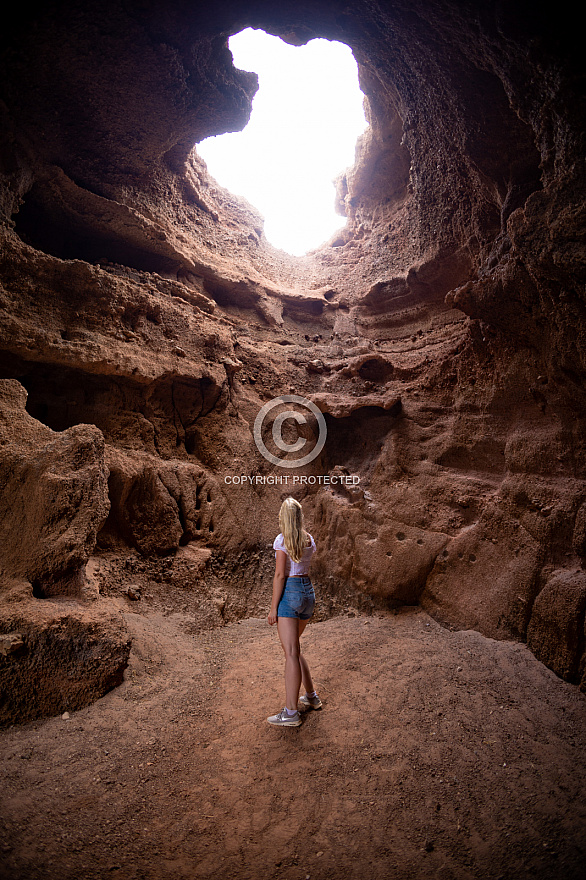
(291,607)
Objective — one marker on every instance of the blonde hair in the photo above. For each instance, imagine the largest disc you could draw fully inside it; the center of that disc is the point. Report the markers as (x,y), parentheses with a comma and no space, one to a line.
(291,524)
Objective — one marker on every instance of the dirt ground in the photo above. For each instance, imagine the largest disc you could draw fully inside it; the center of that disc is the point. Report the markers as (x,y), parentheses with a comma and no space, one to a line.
(436,754)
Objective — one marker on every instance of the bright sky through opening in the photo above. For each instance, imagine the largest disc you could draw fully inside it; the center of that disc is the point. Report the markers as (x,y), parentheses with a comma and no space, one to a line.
(306,118)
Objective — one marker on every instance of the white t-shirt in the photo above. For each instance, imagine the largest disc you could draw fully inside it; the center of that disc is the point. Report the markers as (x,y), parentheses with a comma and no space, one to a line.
(292,568)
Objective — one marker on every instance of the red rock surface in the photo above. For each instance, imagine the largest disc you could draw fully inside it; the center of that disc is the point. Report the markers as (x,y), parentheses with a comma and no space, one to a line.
(441,334)
(144,323)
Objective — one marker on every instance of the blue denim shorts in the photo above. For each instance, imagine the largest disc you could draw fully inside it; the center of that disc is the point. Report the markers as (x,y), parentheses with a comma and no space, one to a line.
(298,598)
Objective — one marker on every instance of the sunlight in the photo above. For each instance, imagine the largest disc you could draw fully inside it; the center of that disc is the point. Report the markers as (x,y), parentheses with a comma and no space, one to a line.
(306,118)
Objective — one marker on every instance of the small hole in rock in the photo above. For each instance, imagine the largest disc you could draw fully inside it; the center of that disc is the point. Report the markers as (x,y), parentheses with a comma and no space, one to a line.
(38,591)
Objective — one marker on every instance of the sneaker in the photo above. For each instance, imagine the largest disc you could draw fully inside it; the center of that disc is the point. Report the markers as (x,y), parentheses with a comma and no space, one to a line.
(282,719)
(310,702)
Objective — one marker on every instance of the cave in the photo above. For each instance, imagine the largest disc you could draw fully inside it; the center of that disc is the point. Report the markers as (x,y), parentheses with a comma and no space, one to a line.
(146,321)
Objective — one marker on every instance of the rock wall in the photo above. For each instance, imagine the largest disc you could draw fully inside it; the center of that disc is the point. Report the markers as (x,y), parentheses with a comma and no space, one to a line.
(148,320)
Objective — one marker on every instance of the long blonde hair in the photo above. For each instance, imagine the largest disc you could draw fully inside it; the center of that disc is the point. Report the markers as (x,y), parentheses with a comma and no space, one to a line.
(291,524)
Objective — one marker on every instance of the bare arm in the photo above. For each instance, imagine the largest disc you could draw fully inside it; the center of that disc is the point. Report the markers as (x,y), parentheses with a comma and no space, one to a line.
(278,585)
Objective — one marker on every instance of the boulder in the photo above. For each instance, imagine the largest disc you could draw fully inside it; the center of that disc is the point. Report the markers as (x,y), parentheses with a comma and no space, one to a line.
(556,630)
(57,657)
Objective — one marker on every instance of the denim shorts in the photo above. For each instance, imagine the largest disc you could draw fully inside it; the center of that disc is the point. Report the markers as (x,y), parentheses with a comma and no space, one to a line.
(298,598)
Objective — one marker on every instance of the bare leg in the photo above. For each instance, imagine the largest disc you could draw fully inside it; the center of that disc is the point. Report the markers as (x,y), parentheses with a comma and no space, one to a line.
(305,673)
(288,628)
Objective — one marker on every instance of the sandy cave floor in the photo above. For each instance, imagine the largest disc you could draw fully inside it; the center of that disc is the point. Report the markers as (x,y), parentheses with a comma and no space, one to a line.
(436,754)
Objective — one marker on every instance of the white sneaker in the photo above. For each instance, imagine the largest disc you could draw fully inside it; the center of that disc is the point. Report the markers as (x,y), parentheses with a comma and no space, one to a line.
(310,702)
(283,719)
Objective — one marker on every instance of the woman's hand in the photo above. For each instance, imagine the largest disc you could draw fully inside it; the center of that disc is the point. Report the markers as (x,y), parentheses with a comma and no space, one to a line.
(272,618)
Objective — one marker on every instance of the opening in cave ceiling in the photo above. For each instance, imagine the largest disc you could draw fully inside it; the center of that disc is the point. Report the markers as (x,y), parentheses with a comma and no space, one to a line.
(306,118)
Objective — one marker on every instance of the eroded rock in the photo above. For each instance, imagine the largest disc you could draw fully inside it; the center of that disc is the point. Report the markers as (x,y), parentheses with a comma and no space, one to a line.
(68,657)
(485,579)
(340,406)
(53,496)
(379,557)
(556,629)
(441,332)
(53,501)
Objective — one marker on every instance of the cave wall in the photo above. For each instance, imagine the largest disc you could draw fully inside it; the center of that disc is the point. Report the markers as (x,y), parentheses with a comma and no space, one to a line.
(441,332)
